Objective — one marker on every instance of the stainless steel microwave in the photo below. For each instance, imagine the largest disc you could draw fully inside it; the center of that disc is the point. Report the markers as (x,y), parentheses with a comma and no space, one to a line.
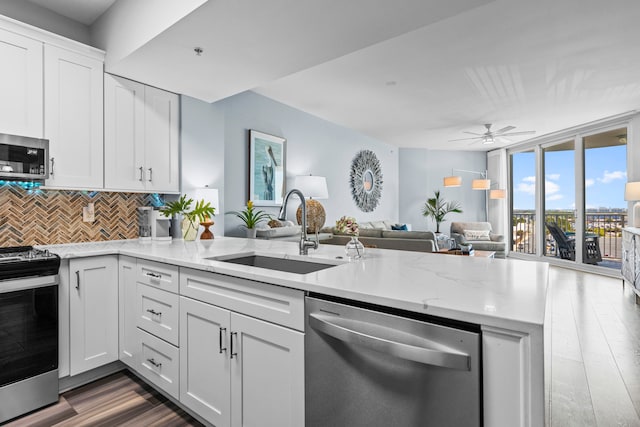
(23,158)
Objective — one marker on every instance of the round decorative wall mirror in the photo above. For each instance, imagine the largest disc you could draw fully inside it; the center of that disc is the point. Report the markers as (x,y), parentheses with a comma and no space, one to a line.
(366,180)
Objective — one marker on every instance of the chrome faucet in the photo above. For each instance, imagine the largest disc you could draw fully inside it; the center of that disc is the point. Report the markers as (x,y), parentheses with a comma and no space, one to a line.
(305,242)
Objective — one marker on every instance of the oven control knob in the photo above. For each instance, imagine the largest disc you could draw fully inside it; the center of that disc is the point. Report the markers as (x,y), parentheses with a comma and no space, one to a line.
(46,253)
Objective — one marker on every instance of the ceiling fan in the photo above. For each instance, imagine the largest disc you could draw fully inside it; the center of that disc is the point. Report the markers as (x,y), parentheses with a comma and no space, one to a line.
(489,137)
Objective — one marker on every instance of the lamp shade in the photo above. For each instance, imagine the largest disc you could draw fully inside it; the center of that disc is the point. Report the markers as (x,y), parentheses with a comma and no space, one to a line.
(208,195)
(498,194)
(313,187)
(632,191)
(452,181)
(481,184)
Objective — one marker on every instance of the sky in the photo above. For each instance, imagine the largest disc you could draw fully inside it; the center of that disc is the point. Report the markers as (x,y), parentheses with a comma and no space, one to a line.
(605,177)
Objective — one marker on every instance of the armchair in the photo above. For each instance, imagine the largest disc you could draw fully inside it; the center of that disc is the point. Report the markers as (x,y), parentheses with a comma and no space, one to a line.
(480,235)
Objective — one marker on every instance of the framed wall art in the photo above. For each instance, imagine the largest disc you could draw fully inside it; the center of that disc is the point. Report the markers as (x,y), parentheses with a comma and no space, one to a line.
(267,168)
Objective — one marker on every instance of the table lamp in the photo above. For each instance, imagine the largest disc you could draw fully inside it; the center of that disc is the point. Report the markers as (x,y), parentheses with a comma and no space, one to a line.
(313,188)
(632,194)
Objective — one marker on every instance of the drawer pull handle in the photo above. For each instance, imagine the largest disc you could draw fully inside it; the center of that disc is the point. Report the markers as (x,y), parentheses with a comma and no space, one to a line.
(154,363)
(141,173)
(232,352)
(53,160)
(155,275)
(155,313)
(150,174)
(220,340)
(77,280)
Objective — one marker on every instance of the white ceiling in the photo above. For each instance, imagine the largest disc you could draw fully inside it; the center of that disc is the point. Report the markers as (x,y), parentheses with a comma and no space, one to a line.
(413,73)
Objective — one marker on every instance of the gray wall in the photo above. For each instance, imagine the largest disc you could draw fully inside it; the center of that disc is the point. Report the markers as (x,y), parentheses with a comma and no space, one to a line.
(202,151)
(314,146)
(421,172)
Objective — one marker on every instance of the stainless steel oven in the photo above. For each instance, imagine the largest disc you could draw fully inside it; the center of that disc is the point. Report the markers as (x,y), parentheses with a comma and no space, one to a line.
(23,158)
(28,330)
(372,366)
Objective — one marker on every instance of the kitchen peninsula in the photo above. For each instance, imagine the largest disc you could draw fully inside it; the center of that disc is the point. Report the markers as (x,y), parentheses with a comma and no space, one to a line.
(506,298)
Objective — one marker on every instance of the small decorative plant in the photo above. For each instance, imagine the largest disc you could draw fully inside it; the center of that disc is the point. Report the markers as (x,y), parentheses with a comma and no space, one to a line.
(437,208)
(347,225)
(250,216)
(202,211)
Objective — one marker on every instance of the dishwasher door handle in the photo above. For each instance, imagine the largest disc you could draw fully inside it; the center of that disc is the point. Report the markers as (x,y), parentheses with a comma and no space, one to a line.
(345,330)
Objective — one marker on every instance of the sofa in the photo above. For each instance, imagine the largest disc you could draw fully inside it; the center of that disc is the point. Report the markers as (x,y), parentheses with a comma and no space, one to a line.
(384,237)
(480,235)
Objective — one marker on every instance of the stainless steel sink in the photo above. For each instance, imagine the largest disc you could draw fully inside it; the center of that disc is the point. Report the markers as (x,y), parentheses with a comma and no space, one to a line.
(289,265)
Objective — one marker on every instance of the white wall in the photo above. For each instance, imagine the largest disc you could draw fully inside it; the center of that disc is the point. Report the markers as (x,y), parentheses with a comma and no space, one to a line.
(202,151)
(314,146)
(421,173)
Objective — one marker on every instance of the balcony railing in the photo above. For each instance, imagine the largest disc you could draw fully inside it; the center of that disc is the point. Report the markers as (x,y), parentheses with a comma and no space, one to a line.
(606,225)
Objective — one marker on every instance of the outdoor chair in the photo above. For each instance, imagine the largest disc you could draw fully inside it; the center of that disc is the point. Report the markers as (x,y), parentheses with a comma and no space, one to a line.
(566,246)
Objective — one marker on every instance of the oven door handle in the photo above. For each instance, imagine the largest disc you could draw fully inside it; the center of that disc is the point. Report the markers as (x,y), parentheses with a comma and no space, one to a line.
(375,337)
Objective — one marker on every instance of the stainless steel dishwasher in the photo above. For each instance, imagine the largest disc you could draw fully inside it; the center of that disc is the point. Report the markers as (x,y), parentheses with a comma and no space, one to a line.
(365,367)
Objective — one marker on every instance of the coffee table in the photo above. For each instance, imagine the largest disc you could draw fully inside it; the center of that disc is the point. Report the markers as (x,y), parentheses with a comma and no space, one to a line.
(477,253)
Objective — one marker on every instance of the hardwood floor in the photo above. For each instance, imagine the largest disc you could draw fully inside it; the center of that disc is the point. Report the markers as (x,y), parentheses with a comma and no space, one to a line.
(595,351)
(120,399)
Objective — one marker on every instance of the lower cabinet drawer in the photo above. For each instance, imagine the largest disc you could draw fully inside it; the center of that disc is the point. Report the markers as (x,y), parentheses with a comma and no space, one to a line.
(159,363)
(157,312)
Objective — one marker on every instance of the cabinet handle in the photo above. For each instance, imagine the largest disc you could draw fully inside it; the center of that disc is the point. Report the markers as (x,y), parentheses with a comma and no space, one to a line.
(154,363)
(150,174)
(77,280)
(141,173)
(155,275)
(155,313)
(220,340)
(232,352)
(52,160)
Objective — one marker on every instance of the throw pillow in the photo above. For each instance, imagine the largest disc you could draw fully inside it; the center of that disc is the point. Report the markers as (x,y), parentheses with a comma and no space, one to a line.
(399,227)
(477,235)
(379,225)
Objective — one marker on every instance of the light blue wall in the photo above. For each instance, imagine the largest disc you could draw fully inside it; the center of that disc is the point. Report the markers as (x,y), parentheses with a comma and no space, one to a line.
(421,172)
(314,146)
(202,151)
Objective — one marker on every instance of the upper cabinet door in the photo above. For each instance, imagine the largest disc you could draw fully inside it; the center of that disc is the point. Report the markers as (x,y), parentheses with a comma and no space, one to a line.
(73,88)
(20,85)
(124,163)
(161,140)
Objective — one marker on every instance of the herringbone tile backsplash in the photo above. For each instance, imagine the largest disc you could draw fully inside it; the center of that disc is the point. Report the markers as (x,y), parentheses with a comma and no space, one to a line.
(44,217)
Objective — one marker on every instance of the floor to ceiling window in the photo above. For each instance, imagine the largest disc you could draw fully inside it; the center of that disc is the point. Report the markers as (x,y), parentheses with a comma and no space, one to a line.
(559,200)
(582,183)
(523,201)
(605,171)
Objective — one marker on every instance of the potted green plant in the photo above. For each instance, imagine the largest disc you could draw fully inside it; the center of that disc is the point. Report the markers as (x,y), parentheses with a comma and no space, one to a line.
(201,212)
(437,208)
(251,217)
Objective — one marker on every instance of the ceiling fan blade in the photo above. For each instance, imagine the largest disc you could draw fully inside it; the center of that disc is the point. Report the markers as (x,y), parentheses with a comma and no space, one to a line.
(524,132)
(472,133)
(466,139)
(504,129)
(502,140)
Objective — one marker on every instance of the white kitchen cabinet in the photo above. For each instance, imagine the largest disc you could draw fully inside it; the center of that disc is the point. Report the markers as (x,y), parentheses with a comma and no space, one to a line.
(236,370)
(93,312)
(127,337)
(205,367)
(21,103)
(631,259)
(141,137)
(73,118)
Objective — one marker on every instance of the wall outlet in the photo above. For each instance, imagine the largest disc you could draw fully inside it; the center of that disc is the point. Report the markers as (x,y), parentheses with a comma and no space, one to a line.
(88,213)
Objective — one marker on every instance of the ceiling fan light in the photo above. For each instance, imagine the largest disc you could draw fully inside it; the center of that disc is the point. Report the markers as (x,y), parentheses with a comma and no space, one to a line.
(452,181)
(481,184)
(487,139)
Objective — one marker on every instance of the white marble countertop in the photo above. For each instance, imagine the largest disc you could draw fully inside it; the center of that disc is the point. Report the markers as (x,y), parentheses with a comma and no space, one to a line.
(502,293)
